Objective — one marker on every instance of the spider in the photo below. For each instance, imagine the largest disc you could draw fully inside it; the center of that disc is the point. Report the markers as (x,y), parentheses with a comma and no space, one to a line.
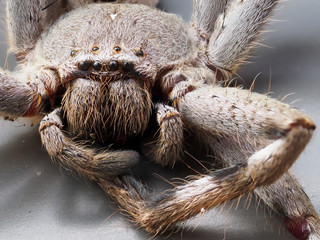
(109,77)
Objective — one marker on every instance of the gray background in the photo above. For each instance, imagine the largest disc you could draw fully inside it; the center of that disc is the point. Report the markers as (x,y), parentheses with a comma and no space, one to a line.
(38,200)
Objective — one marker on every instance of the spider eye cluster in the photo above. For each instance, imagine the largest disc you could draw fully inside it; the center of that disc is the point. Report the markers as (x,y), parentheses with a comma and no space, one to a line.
(111,66)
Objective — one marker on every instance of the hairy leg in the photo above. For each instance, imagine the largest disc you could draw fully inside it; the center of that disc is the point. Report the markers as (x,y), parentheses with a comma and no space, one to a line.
(287,198)
(236,31)
(27,93)
(163,212)
(205,14)
(251,116)
(204,192)
(85,161)
(238,112)
(15,97)
(168,148)
(25,24)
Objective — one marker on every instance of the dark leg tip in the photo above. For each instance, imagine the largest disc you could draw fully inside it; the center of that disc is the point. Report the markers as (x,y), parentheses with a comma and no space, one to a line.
(298,227)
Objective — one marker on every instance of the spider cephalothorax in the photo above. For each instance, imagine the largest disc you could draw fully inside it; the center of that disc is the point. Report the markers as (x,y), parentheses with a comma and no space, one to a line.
(116,75)
(101,77)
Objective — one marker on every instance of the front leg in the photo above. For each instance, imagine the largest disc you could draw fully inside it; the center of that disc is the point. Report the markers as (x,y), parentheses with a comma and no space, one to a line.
(26,20)
(205,14)
(16,98)
(217,111)
(238,122)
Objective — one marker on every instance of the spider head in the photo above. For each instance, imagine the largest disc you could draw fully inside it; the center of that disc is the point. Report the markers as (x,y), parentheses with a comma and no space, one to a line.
(114,90)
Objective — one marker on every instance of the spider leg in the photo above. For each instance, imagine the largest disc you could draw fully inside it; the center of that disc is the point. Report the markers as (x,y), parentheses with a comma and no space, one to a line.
(84,160)
(244,114)
(252,121)
(205,14)
(287,198)
(160,214)
(169,146)
(20,99)
(15,97)
(25,25)
(232,33)
(28,93)
(205,192)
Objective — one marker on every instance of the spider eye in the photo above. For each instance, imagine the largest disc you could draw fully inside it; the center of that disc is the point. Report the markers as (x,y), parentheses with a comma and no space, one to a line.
(140,53)
(73,53)
(113,66)
(97,66)
(117,48)
(127,66)
(95,48)
(108,0)
(84,66)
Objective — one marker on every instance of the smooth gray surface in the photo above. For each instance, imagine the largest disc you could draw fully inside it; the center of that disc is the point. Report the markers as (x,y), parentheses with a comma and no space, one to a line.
(40,201)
